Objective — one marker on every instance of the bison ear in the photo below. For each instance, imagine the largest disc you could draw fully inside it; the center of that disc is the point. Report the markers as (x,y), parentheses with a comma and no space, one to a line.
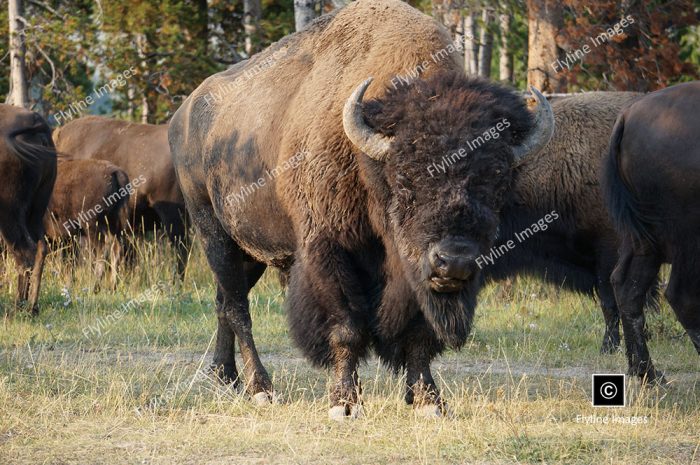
(374,144)
(541,133)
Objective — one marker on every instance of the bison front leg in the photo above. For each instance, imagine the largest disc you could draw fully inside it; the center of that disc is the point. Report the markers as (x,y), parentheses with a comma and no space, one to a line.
(329,318)
(422,392)
(346,392)
(37,271)
(24,251)
(174,221)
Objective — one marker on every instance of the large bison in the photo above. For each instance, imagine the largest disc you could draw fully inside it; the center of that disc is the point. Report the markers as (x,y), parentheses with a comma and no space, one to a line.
(90,204)
(28,172)
(652,185)
(383,252)
(142,151)
(578,250)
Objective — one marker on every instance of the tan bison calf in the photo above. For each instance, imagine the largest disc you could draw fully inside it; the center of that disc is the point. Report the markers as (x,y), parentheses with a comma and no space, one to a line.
(89,208)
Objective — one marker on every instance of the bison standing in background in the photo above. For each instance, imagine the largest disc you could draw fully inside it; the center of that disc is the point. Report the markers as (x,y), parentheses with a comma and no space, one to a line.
(90,203)
(142,151)
(578,250)
(383,252)
(28,172)
(652,186)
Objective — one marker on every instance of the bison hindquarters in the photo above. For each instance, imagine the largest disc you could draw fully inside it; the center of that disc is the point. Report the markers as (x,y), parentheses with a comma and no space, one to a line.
(652,186)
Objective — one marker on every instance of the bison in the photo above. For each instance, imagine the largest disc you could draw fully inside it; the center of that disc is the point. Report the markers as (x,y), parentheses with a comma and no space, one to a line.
(142,151)
(28,172)
(338,184)
(577,250)
(652,189)
(90,203)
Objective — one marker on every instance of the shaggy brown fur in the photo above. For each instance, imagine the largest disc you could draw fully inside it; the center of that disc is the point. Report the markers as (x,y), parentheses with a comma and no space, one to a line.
(90,204)
(27,172)
(357,230)
(578,251)
(142,151)
(652,187)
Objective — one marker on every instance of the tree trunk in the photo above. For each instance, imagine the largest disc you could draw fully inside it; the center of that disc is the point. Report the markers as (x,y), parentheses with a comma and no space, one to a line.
(130,106)
(304,13)
(471,44)
(447,12)
(19,93)
(251,21)
(544,22)
(203,6)
(505,59)
(486,40)
(145,110)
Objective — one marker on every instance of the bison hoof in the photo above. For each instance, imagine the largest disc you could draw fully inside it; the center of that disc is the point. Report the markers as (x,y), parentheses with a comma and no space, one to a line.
(654,378)
(265,398)
(226,374)
(345,412)
(433,411)
(609,348)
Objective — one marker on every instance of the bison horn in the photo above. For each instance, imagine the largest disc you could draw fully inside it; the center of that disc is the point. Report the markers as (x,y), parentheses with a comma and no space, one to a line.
(372,143)
(542,132)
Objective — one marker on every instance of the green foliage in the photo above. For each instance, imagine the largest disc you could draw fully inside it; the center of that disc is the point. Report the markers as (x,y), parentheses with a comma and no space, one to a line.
(643,56)
(58,39)
(690,49)
(76,47)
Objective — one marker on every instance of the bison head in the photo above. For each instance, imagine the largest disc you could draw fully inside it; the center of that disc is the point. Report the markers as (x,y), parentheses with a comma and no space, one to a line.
(439,155)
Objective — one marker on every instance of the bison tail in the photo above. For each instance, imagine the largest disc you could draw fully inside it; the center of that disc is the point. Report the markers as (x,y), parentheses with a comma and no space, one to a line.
(629,216)
(32,144)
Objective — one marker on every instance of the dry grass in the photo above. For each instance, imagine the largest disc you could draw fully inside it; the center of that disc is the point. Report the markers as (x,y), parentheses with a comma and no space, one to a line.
(131,394)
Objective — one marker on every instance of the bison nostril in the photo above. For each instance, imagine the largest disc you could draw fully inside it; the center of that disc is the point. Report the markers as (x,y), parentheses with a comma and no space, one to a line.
(442,260)
(450,266)
(437,261)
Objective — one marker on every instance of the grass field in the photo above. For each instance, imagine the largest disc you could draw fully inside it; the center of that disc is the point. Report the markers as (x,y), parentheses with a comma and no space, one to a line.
(92,382)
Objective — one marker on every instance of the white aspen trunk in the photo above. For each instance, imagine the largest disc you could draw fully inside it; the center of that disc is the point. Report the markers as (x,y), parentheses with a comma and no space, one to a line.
(19,90)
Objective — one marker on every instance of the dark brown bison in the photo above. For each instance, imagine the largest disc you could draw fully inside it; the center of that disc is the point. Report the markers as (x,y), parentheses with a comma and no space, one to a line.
(142,151)
(90,205)
(383,252)
(28,172)
(652,186)
(578,248)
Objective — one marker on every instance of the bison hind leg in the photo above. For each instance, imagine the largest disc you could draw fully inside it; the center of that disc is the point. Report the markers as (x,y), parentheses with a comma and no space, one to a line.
(683,291)
(635,273)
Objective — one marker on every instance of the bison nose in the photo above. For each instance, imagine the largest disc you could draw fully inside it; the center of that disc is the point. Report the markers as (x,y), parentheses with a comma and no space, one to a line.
(453,259)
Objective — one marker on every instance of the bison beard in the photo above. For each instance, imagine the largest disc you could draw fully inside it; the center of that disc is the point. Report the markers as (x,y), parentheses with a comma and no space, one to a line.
(449,315)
